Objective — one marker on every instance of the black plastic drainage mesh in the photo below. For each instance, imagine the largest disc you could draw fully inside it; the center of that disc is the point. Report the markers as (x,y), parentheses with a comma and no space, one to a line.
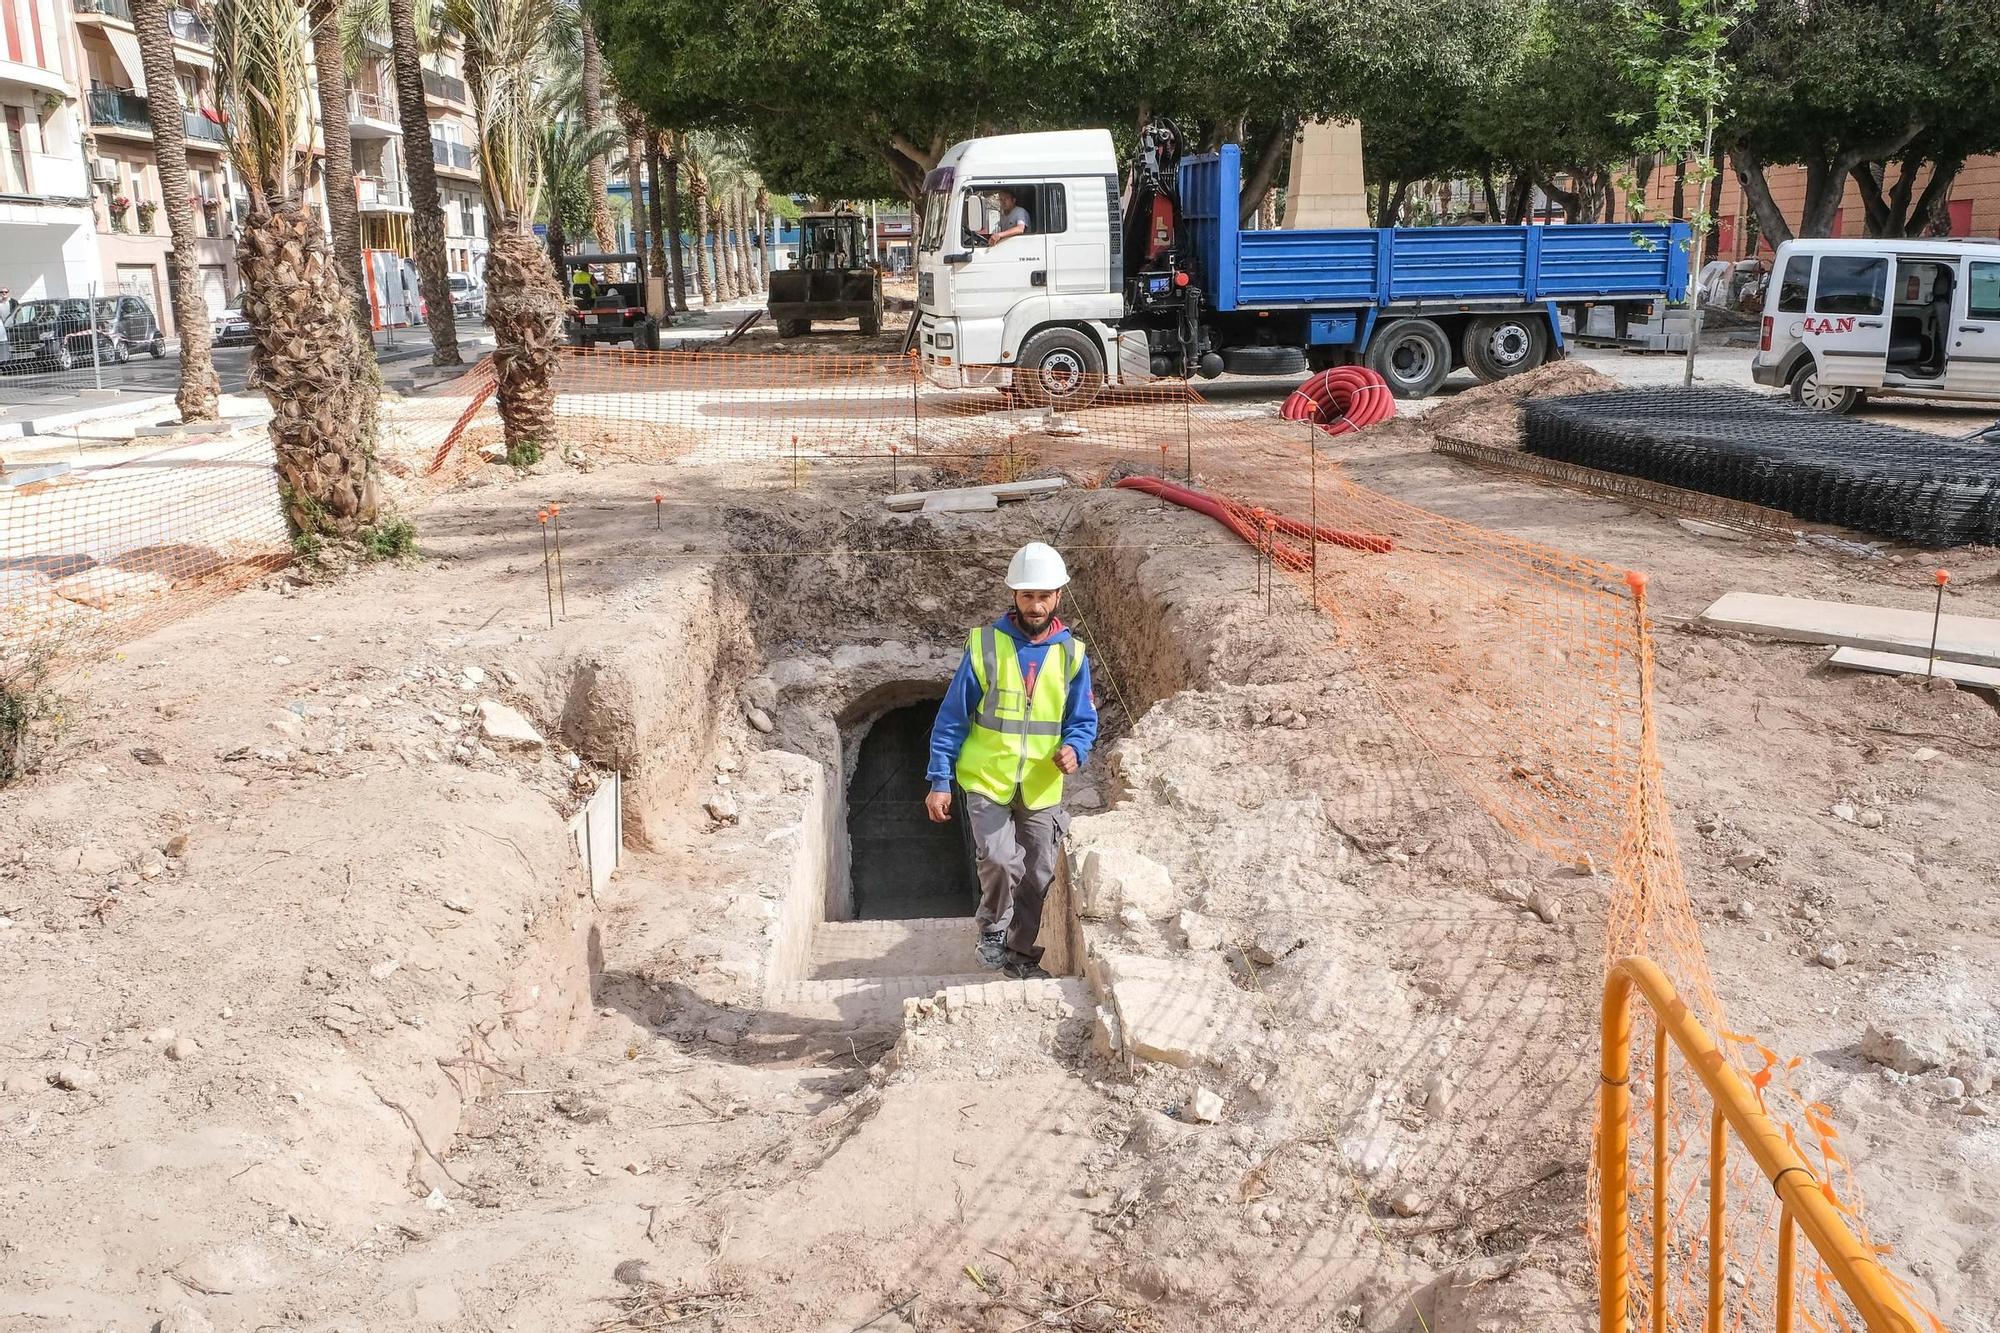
(1904,484)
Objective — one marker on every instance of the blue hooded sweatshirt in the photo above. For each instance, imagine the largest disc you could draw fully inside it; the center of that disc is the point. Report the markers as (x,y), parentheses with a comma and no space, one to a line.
(961,702)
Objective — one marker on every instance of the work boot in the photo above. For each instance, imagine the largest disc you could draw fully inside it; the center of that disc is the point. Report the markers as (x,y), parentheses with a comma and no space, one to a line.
(993,949)
(1020,967)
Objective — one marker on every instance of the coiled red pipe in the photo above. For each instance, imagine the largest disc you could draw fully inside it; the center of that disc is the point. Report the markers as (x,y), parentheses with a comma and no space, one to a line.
(1340,400)
(1242,521)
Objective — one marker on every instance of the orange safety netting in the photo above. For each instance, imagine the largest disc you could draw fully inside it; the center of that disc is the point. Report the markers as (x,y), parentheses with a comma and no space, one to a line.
(1524,671)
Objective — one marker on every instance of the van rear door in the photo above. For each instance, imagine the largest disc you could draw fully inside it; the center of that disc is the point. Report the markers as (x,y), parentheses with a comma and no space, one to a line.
(1972,363)
(1847,324)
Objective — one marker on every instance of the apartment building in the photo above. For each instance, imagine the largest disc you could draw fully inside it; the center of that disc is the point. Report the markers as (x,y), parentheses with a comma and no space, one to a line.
(50,244)
(382,179)
(134,251)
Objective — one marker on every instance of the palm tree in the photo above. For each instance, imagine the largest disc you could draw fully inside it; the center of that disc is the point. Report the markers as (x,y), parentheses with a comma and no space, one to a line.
(504,44)
(667,161)
(413,32)
(199,388)
(763,236)
(591,98)
(564,154)
(633,122)
(697,192)
(343,215)
(295,298)
(718,231)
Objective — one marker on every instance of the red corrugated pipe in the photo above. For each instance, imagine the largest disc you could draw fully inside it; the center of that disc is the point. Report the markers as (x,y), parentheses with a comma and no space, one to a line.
(1346,398)
(1240,520)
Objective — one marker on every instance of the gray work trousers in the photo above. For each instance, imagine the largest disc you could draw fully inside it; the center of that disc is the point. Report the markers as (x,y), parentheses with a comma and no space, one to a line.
(1015,849)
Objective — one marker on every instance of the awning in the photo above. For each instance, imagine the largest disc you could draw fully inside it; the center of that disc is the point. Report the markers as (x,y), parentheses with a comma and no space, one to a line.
(126,47)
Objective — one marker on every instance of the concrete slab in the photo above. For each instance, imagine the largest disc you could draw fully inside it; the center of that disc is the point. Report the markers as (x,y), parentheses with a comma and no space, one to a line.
(952,502)
(1181,1012)
(1879,628)
(1905,664)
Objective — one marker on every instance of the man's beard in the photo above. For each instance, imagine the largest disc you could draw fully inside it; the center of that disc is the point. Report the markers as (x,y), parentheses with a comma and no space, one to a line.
(1029,623)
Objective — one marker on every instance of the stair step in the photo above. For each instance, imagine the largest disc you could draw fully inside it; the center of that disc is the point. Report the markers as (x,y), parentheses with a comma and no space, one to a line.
(862,1002)
(918,947)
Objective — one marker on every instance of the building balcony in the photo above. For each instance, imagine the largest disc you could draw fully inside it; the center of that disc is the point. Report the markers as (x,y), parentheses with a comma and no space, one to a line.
(444,88)
(453,157)
(122,111)
(371,115)
(382,194)
(186,25)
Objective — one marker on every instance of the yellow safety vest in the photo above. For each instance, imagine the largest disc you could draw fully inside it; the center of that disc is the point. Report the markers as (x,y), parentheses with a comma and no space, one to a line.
(1012,740)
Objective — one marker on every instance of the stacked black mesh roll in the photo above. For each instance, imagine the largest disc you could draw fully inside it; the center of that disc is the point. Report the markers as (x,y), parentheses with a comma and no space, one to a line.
(1905,484)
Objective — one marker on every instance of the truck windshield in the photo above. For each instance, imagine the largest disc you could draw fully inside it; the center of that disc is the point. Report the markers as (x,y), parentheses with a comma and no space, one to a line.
(937,212)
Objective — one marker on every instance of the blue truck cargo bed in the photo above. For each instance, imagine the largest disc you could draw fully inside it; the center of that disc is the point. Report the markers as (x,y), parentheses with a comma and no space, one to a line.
(1391,266)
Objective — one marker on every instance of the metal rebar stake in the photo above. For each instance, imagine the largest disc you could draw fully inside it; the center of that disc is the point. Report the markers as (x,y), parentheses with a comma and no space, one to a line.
(562,593)
(1943,577)
(548,578)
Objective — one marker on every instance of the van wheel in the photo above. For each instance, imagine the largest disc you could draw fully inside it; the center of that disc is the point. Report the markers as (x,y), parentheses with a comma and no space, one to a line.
(1807,391)
(1413,355)
(1496,346)
(1060,368)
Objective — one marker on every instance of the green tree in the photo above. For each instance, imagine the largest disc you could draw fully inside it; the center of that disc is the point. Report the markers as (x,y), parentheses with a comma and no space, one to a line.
(1846,88)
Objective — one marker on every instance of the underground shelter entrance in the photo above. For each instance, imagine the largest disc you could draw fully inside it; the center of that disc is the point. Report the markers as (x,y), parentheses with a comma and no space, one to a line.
(902,864)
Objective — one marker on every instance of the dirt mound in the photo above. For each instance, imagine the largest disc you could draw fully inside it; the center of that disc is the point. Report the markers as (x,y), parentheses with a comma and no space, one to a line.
(1486,414)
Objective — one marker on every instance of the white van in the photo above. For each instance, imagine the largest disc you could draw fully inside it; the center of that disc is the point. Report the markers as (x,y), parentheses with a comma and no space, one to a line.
(1914,318)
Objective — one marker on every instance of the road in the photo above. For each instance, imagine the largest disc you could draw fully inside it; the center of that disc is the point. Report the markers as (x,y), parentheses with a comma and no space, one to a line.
(26,396)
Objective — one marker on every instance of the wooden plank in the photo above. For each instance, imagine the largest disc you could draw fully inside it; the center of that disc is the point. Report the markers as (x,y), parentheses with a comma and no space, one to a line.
(1010,490)
(1880,628)
(1905,664)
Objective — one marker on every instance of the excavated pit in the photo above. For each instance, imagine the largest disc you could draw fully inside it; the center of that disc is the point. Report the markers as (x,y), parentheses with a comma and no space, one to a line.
(900,863)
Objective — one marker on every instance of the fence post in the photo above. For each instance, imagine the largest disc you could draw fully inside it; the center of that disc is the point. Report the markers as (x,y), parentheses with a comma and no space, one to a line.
(96,363)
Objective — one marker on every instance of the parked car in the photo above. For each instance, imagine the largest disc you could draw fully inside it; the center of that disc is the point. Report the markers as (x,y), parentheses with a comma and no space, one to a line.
(57,333)
(128,325)
(1913,318)
(468,298)
(232,326)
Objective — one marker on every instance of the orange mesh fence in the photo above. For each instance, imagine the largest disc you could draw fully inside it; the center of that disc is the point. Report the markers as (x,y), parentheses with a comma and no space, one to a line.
(1525,671)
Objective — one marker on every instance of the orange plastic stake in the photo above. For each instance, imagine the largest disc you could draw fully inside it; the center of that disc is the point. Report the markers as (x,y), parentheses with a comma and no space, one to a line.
(656,510)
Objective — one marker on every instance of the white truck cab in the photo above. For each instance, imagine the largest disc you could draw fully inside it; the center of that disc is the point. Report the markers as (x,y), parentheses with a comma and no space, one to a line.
(1049,298)
(1916,318)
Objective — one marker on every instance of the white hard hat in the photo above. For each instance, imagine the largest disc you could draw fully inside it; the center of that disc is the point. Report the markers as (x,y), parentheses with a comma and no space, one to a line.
(1037,567)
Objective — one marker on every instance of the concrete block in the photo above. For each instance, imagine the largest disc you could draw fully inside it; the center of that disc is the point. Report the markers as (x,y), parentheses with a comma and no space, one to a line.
(1175,1011)
(1114,878)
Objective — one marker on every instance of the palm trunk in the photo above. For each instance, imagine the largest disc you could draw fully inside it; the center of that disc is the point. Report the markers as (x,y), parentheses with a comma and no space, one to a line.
(704,275)
(343,215)
(763,207)
(743,263)
(426,216)
(593,102)
(671,151)
(635,182)
(524,306)
(669,260)
(725,267)
(297,304)
(199,390)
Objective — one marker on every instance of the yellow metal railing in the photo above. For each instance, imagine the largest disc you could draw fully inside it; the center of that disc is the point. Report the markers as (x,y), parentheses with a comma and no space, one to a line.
(1804,1205)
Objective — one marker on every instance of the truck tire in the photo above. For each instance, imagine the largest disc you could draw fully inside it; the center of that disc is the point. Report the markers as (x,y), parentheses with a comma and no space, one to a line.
(1413,355)
(1257,360)
(1060,368)
(794,328)
(871,324)
(649,336)
(1807,391)
(1496,346)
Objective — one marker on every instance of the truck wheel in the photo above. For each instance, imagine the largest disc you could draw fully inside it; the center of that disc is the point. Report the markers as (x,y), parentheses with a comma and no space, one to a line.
(794,328)
(649,336)
(1496,346)
(1060,368)
(1807,391)
(871,325)
(574,333)
(1263,360)
(1413,355)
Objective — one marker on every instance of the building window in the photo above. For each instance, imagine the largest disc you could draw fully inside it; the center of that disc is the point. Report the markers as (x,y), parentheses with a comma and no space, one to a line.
(13,154)
(465,216)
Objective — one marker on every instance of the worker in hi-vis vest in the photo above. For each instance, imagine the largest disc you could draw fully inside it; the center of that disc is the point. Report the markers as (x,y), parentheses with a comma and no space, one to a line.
(1019,715)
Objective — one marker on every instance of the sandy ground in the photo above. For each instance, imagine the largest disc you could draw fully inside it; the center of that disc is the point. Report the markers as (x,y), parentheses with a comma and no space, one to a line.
(318,1025)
